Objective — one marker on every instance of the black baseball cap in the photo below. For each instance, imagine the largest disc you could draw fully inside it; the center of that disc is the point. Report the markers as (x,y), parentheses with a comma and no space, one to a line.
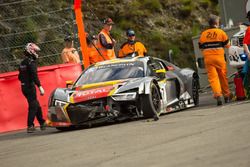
(68,38)
(130,33)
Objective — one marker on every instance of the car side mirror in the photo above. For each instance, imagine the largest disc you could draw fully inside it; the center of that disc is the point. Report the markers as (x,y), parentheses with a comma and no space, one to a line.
(161,73)
(69,84)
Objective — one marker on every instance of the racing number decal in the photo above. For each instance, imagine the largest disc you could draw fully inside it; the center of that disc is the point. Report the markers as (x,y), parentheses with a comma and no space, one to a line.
(234,57)
(163,90)
(211,35)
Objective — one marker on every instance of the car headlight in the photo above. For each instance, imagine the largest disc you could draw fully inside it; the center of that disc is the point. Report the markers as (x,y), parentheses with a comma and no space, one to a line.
(124,96)
(60,103)
(243,57)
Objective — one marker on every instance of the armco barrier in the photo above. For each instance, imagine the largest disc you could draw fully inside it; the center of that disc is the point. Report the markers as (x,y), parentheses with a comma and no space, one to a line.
(13,105)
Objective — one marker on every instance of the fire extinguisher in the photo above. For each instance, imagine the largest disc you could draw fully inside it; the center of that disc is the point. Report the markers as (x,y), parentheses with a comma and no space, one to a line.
(239,88)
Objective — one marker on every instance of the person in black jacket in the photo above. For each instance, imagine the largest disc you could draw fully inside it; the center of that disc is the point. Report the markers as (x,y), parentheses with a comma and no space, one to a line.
(28,77)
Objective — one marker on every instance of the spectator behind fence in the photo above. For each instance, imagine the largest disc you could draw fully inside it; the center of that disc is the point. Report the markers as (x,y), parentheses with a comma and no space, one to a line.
(94,54)
(132,47)
(69,53)
(28,77)
(106,42)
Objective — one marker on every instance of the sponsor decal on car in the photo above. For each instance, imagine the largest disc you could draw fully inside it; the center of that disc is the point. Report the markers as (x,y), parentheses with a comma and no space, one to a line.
(98,85)
(124,64)
(84,95)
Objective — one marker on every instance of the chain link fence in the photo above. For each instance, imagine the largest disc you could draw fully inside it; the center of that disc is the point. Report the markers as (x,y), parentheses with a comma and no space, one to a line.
(43,22)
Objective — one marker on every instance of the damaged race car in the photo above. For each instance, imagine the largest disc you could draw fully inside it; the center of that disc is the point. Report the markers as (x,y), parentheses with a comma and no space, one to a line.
(119,89)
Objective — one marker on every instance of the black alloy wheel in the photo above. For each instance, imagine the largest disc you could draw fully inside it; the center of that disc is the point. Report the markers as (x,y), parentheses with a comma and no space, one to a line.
(151,103)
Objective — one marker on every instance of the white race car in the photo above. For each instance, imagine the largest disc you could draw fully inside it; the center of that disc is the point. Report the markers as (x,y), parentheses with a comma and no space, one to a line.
(237,57)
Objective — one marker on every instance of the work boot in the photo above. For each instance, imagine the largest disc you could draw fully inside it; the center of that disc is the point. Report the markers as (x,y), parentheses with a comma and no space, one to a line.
(43,126)
(228,99)
(219,100)
(31,129)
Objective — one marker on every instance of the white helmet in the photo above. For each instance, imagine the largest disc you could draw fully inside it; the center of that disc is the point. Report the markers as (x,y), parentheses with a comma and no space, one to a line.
(32,48)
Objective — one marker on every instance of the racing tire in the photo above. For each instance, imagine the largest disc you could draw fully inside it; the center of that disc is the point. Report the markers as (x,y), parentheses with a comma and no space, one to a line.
(151,103)
(195,91)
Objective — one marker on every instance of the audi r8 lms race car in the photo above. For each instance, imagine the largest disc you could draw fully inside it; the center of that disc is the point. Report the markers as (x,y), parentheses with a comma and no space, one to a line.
(123,88)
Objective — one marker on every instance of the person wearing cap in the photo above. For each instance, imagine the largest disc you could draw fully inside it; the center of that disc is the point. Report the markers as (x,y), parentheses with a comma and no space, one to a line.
(69,53)
(212,43)
(131,46)
(246,46)
(94,54)
(105,41)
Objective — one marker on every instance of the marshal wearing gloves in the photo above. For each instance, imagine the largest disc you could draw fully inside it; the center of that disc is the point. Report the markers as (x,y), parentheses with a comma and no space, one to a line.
(28,77)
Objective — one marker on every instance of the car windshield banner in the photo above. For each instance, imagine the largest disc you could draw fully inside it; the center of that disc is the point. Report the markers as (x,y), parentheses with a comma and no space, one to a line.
(111,72)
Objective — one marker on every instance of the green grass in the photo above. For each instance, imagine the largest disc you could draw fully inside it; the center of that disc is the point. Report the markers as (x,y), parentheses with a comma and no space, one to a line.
(151,5)
(186,8)
(160,23)
(196,29)
(185,11)
(205,3)
(186,2)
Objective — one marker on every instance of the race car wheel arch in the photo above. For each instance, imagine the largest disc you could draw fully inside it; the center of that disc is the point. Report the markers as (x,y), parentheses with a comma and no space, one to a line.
(195,90)
(151,103)
(148,86)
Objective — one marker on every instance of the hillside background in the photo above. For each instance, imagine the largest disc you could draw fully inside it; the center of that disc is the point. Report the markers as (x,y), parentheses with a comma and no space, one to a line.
(160,24)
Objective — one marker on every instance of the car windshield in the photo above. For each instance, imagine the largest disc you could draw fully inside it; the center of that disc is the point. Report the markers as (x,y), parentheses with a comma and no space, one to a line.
(109,72)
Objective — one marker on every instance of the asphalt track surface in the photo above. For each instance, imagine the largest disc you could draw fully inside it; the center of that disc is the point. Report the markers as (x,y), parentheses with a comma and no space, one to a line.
(206,136)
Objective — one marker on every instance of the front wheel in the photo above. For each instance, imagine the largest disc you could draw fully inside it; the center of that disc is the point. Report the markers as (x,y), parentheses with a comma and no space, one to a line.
(151,103)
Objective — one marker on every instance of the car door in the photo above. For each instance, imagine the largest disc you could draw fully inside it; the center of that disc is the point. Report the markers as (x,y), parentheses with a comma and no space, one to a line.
(171,84)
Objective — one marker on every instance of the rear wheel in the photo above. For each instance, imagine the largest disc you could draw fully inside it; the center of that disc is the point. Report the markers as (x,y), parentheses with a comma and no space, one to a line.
(195,91)
(150,103)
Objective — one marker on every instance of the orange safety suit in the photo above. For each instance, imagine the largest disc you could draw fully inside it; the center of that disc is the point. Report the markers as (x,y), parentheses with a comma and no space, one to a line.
(128,48)
(94,55)
(212,42)
(107,53)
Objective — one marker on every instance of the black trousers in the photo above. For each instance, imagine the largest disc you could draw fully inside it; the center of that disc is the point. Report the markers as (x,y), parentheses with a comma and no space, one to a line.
(35,110)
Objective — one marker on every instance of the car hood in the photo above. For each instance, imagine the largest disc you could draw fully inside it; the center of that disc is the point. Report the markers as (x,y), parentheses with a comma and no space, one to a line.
(103,89)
